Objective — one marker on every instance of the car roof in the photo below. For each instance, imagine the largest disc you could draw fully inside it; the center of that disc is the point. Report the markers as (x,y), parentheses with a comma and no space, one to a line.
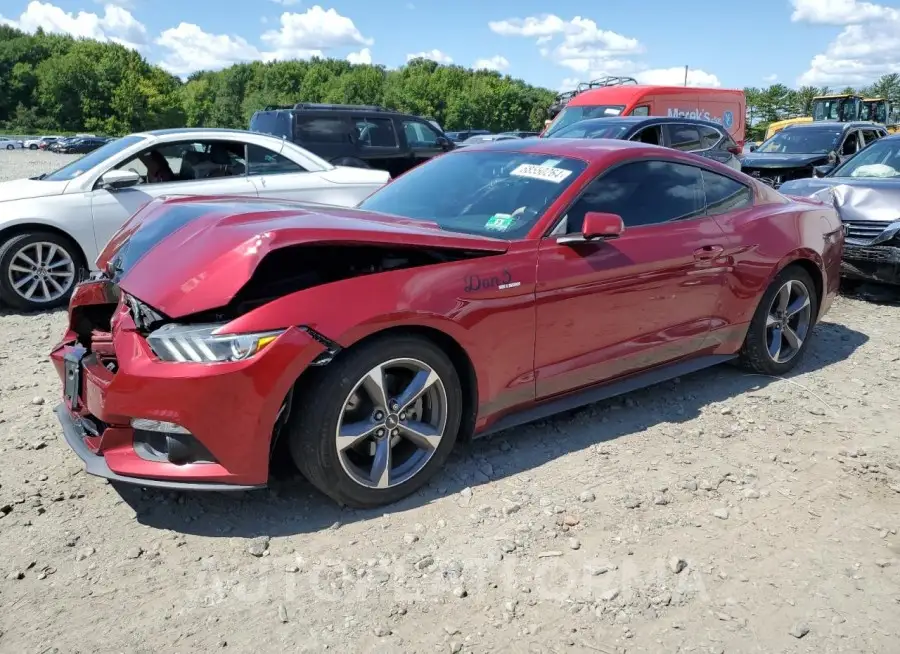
(586,149)
(833,124)
(640,120)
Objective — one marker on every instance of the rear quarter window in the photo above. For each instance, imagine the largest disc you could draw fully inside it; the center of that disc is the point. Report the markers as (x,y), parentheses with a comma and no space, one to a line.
(321,129)
(276,123)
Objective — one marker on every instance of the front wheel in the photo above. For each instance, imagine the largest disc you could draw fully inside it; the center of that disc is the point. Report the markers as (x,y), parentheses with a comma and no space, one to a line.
(782,325)
(378,422)
(38,271)
(32,147)
(10,147)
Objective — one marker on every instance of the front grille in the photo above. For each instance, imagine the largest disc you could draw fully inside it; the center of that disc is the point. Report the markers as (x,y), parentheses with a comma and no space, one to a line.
(864,231)
(778,176)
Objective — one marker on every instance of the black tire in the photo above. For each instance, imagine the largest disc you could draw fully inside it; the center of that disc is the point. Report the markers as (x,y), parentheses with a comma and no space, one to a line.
(32,147)
(319,402)
(754,354)
(10,147)
(8,294)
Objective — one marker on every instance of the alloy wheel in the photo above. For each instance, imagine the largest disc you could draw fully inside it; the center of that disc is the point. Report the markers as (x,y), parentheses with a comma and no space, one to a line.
(788,321)
(391,423)
(42,272)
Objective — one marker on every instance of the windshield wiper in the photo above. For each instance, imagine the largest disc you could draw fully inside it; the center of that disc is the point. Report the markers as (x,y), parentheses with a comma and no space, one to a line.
(41,176)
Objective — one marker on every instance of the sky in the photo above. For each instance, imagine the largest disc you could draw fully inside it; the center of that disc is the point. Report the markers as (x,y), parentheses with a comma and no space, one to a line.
(733,45)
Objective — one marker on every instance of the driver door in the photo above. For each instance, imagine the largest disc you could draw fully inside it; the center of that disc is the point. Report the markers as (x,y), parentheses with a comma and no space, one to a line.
(110,208)
(606,309)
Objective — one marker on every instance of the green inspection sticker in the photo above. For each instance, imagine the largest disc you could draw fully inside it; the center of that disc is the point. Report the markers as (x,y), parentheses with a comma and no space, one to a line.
(499,222)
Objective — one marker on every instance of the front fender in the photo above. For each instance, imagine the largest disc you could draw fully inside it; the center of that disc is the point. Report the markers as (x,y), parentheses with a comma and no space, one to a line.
(495,326)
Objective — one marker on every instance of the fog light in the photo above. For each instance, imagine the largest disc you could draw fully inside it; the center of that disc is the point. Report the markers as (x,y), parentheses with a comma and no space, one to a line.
(158,440)
(161,426)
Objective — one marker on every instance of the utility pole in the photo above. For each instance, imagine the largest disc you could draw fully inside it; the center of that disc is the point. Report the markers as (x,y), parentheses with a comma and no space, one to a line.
(685,75)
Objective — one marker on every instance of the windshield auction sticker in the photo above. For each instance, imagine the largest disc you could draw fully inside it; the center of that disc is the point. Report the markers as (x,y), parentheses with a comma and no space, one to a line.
(546,173)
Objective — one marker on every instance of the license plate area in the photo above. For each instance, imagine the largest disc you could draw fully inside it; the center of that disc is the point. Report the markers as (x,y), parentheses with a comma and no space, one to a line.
(72,385)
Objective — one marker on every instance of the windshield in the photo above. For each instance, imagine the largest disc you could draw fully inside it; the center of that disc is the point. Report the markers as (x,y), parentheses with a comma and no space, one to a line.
(95,158)
(571,115)
(802,141)
(881,159)
(490,193)
(876,111)
(592,129)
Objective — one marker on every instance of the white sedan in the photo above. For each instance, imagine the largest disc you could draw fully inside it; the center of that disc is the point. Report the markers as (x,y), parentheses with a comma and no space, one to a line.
(55,225)
(10,144)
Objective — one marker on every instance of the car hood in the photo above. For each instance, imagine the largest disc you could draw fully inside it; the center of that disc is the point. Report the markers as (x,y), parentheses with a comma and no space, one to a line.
(782,160)
(186,255)
(24,189)
(887,189)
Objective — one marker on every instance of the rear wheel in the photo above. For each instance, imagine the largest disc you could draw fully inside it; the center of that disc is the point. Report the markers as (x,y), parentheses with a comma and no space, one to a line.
(378,422)
(782,325)
(32,147)
(10,147)
(38,271)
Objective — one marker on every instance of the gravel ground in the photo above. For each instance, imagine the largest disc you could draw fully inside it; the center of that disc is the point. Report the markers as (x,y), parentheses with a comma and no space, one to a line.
(721,512)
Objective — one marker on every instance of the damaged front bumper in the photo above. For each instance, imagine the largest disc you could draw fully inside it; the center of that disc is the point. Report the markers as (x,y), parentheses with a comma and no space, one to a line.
(875,263)
(131,417)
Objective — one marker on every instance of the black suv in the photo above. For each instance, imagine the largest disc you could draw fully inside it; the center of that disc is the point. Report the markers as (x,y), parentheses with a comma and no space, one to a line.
(798,150)
(355,135)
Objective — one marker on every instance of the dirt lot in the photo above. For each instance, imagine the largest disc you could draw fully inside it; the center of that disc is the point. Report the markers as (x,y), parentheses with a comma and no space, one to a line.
(719,513)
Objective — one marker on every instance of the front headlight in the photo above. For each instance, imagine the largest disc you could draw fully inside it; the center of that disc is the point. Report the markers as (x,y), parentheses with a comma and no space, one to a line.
(201,343)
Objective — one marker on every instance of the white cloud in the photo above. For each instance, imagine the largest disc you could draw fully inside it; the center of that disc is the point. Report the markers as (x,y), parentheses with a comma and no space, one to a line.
(582,46)
(308,34)
(675,77)
(840,12)
(494,63)
(116,24)
(300,36)
(434,55)
(867,48)
(771,79)
(191,49)
(364,56)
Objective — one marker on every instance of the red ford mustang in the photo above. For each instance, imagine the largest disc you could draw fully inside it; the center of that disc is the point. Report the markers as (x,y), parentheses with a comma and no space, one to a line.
(490,287)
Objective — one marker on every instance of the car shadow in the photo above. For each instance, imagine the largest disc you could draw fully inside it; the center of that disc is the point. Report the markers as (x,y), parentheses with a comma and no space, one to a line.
(292,506)
(874,292)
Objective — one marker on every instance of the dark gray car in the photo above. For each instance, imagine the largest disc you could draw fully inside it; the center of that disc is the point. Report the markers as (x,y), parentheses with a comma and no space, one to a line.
(701,137)
(865,190)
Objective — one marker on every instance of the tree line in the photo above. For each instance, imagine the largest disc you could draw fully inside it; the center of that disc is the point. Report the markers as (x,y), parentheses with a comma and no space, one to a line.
(53,83)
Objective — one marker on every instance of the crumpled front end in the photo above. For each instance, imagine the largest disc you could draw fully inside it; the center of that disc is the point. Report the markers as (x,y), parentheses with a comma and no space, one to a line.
(871,218)
(138,415)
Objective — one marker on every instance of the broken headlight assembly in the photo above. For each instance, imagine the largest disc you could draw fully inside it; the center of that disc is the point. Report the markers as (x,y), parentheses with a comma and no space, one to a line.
(202,343)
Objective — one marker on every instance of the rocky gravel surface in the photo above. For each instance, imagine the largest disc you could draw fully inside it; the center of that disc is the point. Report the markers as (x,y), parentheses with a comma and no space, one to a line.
(721,512)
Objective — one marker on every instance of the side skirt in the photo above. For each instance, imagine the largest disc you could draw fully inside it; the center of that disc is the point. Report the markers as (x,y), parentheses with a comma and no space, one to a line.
(605,391)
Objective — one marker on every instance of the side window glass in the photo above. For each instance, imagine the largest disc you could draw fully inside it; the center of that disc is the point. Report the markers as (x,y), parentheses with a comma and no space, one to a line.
(419,135)
(709,137)
(311,129)
(188,161)
(376,132)
(648,135)
(642,193)
(683,137)
(262,161)
(851,143)
(643,110)
(723,194)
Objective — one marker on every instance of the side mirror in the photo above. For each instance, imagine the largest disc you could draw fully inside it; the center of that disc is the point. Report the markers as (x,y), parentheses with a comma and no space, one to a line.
(116,179)
(596,226)
(822,171)
(444,143)
(753,147)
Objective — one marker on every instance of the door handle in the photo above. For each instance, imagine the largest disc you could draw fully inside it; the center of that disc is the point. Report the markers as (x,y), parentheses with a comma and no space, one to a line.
(708,252)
